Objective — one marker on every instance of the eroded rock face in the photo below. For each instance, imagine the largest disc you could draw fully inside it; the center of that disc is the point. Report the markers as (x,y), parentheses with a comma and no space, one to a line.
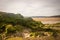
(26,33)
(47,33)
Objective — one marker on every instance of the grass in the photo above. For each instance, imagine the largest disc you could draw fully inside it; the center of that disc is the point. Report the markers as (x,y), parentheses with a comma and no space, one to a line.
(41,38)
(15,38)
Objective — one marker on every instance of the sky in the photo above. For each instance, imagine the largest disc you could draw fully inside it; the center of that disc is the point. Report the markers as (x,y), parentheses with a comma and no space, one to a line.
(31,7)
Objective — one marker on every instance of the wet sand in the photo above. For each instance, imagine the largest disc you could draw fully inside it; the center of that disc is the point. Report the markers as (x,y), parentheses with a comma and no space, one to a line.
(47,20)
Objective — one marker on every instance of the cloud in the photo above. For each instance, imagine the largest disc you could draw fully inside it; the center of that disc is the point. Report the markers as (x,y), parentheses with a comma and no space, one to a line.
(31,7)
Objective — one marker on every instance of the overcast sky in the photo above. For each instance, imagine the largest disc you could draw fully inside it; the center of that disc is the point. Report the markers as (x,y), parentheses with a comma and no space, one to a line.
(31,7)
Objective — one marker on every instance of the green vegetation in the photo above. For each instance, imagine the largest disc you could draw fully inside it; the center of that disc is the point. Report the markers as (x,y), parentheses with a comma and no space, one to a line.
(11,24)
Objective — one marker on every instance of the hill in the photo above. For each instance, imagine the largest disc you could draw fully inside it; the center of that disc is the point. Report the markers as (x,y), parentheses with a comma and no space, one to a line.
(46,16)
(11,15)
